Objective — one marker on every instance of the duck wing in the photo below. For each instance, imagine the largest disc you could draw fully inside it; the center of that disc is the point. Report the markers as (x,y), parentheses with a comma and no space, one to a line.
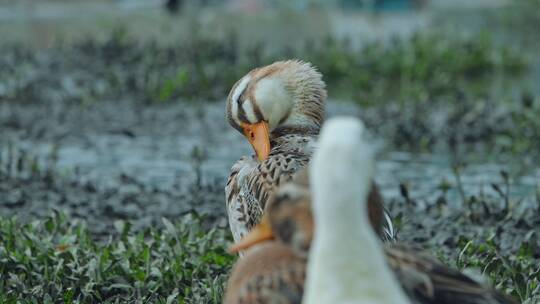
(251,184)
(428,281)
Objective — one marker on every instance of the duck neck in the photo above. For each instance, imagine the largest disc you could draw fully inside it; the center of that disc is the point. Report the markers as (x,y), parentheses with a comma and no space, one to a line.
(343,235)
(347,261)
(295,139)
(303,130)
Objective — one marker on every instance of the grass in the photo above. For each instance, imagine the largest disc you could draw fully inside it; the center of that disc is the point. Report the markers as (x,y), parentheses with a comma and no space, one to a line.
(422,67)
(59,259)
(488,234)
(55,260)
(518,275)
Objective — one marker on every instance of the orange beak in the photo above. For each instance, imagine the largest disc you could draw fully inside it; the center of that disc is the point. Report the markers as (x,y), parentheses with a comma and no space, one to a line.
(260,233)
(259,138)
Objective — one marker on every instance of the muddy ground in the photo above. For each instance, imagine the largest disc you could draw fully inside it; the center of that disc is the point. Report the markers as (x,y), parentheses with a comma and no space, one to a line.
(106,149)
(119,160)
(122,160)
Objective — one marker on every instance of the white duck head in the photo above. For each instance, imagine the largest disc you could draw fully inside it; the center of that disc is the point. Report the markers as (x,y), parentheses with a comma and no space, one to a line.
(284,94)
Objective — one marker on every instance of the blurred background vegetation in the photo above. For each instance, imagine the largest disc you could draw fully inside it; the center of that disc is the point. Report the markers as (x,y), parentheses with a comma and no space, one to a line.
(112,118)
(479,60)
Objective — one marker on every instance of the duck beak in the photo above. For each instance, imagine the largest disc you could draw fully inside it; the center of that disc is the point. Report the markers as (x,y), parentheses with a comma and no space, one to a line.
(260,233)
(259,138)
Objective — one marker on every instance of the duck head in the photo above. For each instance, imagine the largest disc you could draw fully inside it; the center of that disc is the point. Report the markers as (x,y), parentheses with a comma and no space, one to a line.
(283,94)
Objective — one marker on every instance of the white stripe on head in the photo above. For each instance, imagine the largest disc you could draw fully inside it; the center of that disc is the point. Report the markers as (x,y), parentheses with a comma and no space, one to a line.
(240,88)
(250,113)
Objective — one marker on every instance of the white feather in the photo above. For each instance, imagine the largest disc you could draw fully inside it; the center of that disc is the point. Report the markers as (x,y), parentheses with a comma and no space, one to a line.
(250,113)
(346,262)
(273,100)
(241,87)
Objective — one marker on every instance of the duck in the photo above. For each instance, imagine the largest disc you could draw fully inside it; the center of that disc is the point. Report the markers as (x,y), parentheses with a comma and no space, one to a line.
(268,273)
(279,109)
(273,269)
(344,260)
(345,263)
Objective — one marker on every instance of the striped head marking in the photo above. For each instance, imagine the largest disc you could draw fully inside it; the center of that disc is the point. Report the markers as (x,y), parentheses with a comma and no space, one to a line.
(284,93)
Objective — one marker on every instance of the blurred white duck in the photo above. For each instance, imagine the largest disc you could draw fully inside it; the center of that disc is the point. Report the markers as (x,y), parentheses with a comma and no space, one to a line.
(347,263)
(275,271)
(279,108)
